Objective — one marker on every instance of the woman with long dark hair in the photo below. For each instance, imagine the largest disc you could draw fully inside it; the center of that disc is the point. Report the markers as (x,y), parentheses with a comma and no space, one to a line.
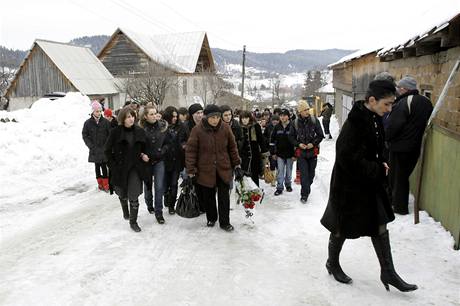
(253,147)
(125,150)
(358,204)
(157,146)
(174,158)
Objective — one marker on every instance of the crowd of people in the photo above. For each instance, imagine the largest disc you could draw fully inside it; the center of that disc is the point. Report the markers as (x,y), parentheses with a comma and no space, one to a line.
(146,150)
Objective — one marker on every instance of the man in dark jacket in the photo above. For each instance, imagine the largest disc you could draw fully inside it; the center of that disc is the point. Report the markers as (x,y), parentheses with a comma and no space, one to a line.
(282,151)
(406,124)
(306,134)
(326,114)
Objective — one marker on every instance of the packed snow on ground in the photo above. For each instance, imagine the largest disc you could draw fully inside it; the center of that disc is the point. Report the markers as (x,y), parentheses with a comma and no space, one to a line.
(64,242)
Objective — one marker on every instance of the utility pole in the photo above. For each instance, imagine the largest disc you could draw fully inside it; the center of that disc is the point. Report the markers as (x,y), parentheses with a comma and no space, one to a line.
(242,78)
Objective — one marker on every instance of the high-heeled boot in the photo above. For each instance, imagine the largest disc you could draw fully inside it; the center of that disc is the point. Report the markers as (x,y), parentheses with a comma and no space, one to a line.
(388,275)
(332,264)
(134,209)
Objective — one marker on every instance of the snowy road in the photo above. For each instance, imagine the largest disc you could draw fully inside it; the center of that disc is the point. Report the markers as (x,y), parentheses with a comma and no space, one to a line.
(73,248)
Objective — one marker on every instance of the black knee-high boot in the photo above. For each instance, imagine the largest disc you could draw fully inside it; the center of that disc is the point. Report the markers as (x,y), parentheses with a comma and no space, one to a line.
(388,275)
(333,264)
(124,208)
(134,209)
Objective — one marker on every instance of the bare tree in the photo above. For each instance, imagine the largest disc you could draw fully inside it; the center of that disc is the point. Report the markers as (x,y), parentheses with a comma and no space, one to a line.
(275,83)
(313,81)
(151,85)
(5,78)
(212,86)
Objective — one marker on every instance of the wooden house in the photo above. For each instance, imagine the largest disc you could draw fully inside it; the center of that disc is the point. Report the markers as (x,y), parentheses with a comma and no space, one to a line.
(429,57)
(186,56)
(58,67)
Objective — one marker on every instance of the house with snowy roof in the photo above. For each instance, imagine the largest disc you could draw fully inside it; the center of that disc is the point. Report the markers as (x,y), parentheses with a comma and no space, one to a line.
(430,56)
(184,59)
(51,67)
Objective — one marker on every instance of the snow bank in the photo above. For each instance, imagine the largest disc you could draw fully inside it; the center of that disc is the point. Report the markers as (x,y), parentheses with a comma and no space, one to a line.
(43,154)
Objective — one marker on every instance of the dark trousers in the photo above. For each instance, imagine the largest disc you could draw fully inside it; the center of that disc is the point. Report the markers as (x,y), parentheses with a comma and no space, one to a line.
(307,174)
(171,178)
(223,199)
(255,177)
(326,126)
(401,166)
(101,167)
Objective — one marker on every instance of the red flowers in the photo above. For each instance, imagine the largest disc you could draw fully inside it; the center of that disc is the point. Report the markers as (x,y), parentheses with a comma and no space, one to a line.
(248,194)
(249,205)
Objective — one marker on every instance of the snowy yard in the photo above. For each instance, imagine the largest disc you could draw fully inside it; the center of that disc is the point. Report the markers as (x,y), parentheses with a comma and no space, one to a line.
(65,243)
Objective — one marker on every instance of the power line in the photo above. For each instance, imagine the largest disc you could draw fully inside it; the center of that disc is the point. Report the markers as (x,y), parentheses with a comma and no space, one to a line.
(215,35)
(140,14)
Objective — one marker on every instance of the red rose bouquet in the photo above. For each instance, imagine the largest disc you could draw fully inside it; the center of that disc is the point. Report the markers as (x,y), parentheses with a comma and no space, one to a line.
(248,195)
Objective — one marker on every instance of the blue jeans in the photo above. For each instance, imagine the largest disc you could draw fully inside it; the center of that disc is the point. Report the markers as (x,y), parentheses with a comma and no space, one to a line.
(307,174)
(158,171)
(284,173)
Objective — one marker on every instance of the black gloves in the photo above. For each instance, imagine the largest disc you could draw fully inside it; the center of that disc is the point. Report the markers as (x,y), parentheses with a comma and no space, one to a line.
(190,180)
(239,173)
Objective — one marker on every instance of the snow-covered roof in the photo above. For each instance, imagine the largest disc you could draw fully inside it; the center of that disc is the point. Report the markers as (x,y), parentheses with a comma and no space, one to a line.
(443,18)
(439,19)
(80,66)
(354,55)
(178,51)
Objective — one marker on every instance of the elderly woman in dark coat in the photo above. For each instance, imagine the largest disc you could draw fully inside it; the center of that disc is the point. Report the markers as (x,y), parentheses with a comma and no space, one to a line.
(210,155)
(127,159)
(358,204)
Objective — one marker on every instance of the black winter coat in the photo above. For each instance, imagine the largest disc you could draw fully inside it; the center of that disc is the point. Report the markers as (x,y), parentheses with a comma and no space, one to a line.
(280,144)
(268,133)
(157,140)
(174,158)
(405,129)
(326,113)
(237,132)
(306,130)
(253,145)
(358,177)
(122,158)
(95,135)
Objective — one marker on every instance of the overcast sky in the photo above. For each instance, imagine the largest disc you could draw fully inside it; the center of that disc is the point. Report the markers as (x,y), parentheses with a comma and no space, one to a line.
(264,26)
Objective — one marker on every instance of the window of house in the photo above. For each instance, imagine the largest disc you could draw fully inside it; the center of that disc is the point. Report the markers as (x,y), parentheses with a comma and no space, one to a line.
(347,104)
(195,85)
(184,87)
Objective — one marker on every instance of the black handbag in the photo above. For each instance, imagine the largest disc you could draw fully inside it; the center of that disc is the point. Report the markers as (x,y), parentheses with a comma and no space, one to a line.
(187,204)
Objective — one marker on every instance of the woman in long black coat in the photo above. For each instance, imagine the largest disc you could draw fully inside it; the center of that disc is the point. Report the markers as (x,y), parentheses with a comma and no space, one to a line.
(253,147)
(174,159)
(358,204)
(127,159)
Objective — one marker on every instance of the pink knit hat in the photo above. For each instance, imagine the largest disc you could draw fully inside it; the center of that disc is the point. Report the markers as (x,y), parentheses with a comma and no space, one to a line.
(95,105)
